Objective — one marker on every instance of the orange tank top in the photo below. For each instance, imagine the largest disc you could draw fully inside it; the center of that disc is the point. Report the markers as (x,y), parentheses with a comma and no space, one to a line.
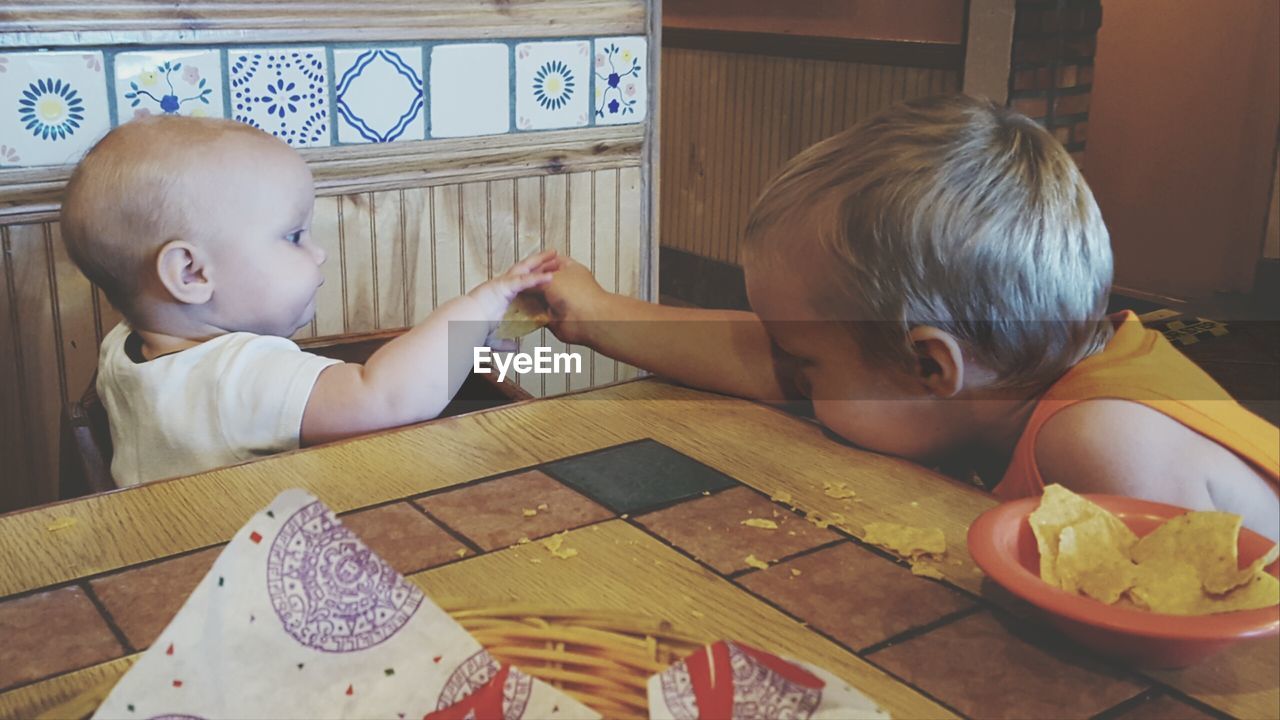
(1140,365)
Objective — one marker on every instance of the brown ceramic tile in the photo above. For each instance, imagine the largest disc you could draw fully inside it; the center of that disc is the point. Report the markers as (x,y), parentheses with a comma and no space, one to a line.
(491,513)
(142,601)
(1164,708)
(854,595)
(404,537)
(711,529)
(980,668)
(52,633)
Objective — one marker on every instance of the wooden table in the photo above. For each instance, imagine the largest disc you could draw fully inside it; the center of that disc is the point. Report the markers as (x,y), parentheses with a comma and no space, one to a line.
(651,482)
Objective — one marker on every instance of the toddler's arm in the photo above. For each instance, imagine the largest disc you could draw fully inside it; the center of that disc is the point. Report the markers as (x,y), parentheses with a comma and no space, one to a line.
(1119,447)
(721,350)
(413,377)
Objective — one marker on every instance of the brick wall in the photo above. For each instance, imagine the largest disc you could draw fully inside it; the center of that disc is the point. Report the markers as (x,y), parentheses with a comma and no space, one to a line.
(1051,73)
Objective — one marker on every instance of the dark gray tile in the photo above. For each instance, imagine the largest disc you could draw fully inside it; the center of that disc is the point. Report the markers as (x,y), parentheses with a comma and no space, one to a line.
(635,477)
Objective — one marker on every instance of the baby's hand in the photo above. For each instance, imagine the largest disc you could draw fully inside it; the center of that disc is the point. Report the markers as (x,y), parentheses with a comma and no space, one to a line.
(575,299)
(495,295)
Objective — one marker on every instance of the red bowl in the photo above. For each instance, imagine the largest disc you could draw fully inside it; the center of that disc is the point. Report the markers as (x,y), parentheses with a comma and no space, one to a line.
(1002,544)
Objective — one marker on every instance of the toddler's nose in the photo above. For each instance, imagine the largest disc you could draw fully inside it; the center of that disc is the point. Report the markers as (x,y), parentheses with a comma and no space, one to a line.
(319,254)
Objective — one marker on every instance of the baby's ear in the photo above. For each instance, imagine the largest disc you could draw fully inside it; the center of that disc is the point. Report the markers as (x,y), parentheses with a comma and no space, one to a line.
(940,365)
(185,272)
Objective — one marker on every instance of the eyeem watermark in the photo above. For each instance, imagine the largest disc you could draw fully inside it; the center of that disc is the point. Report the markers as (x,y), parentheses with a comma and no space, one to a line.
(540,362)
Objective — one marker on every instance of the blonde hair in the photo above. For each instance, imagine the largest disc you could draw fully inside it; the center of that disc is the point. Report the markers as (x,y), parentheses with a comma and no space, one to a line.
(955,213)
(130,195)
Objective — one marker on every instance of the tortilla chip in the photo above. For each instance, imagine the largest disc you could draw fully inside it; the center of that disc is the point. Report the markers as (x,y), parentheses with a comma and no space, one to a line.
(1092,561)
(1206,540)
(906,541)
(1226,582)
(1260,592)
(1167,585)
(1060,508)
(525,314)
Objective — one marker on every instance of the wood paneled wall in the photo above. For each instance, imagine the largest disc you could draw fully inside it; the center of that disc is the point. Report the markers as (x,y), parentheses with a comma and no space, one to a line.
(406,225)
(731,120)
(394,255)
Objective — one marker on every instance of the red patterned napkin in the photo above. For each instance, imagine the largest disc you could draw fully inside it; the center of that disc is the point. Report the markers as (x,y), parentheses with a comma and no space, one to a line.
(298,619)
(732,680)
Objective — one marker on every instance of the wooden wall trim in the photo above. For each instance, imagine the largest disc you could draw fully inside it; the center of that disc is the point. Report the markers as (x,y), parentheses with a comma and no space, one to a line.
(988,49)
(33,195)
(943,56)
(49,23)
(651,172)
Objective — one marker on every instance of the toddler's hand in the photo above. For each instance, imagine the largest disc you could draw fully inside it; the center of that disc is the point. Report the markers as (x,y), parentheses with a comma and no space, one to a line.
(574,298)
(495,295)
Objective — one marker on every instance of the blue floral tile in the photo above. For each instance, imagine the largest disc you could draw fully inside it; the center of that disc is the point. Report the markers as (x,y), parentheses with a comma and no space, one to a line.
(379,95)
(177,82)
(553,84)
(622,80)
(470,89)
(284,91)
(53,107)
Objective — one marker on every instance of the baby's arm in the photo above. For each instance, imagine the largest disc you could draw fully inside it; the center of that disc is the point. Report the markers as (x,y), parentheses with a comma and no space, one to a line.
(720,350)
(413,377)
(1118,447)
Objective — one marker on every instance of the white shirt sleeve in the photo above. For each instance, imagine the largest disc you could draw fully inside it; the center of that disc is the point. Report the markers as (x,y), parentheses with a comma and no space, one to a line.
(263,386)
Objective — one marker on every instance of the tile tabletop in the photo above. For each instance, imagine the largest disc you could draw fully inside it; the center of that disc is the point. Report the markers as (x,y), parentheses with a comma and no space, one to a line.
(676,508)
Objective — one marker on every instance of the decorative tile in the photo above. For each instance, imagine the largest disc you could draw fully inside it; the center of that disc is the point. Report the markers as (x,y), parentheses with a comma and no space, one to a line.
(143,600)
(853,595)
(470,90)
(493,513)
(404,537)
(553,84)
(178,82)
(711,529)
(950,663)
(51,633)
(53,106)
(378,94)
(621,80)
(283,91)
(631,478)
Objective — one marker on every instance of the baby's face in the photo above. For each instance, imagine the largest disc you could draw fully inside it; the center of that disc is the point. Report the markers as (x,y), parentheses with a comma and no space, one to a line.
(266,265)
(879,408)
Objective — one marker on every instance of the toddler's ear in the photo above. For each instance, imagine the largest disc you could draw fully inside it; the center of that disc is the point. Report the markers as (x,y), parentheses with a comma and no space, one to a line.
(184,271)
(940,364)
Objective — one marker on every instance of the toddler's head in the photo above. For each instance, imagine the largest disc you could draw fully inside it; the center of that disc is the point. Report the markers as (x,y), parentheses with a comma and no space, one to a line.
(946,248)
(196,226)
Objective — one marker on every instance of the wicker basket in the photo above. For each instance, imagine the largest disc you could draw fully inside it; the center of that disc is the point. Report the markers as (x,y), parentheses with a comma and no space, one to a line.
(603,659)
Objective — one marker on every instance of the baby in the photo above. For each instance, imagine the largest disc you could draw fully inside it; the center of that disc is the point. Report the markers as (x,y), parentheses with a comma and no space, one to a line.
(935,282)
(199,233)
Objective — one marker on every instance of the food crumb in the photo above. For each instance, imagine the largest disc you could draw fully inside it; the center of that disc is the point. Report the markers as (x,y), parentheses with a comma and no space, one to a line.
(554,545)
(697,614)
(460,552)
(757,563)
(837,490)
(529,512)
(760,523)
(543,506)
(925,570)
(61,524)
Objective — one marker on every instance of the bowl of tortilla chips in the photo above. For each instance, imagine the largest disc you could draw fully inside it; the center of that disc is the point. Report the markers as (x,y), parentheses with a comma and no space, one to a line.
(1151,584)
